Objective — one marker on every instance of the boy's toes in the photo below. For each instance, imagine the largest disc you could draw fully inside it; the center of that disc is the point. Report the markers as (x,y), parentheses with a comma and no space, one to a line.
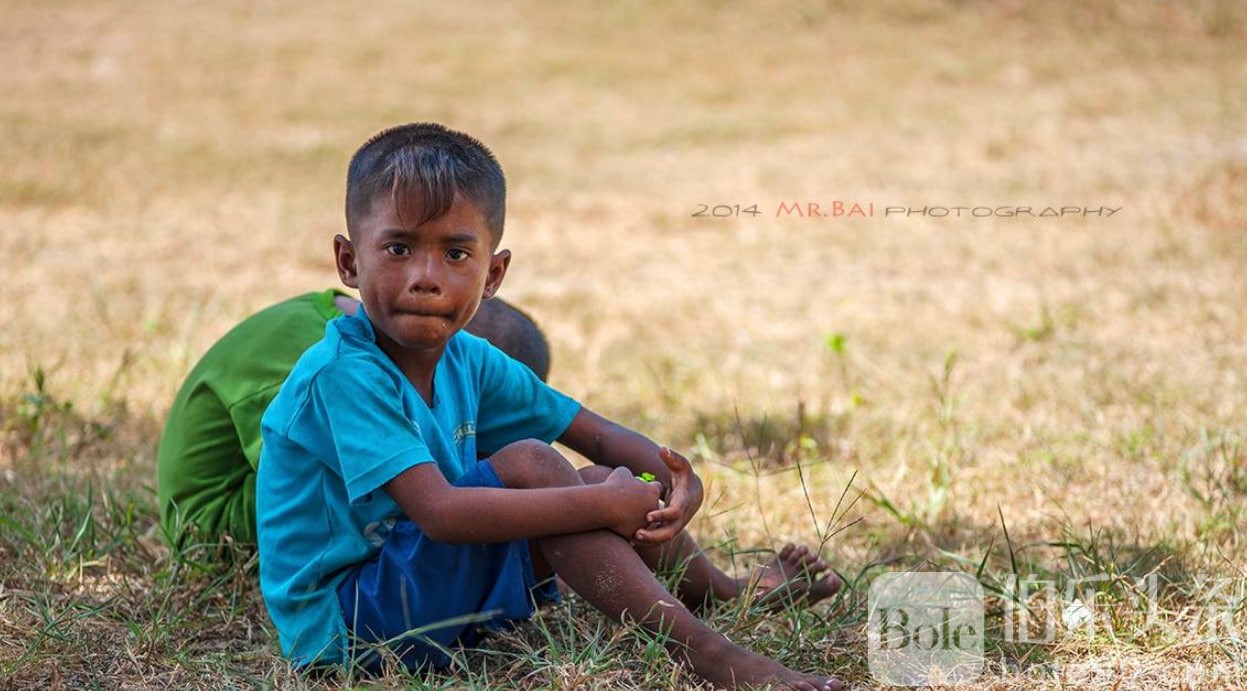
(786,552)
(810,559)
(824,588)
(816,684)
(810,563)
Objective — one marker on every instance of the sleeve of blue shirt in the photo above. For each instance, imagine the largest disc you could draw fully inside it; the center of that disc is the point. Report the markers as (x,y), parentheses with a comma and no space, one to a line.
(373,438)
(515,403)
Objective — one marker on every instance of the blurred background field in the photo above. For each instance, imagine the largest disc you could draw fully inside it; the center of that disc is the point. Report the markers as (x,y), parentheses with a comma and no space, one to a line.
(1079,382)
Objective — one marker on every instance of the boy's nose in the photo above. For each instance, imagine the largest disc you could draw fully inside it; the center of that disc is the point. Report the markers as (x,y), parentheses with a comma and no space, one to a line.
(424,278)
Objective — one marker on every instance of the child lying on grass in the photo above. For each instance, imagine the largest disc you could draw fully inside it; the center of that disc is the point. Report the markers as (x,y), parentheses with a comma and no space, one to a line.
(375,517)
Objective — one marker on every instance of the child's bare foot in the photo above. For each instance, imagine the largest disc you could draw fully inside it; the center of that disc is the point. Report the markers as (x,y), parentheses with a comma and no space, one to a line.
(795,575)
(727,665)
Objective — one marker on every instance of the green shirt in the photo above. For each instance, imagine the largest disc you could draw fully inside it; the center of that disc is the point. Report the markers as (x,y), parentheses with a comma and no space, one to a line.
(206,465)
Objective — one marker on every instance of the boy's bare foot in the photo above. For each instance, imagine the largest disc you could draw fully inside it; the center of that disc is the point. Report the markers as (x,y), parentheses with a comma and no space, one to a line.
(795,575)
(727,665)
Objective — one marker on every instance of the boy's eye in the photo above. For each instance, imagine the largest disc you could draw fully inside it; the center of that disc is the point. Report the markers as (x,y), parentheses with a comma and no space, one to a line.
(397,249)
(457,254)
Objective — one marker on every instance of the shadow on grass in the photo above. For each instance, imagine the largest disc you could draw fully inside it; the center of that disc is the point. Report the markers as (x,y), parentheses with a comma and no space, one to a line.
(774,441)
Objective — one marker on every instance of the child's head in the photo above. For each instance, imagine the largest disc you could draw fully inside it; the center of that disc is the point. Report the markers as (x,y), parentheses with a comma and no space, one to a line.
(419,168)
(424,210)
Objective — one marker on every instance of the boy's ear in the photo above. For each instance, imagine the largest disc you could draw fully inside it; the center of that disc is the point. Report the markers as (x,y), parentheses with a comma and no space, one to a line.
(497,271)
(344,253)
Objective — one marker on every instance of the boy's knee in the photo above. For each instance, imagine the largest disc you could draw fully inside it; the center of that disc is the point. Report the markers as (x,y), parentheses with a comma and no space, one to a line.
(595,474)
(531,463)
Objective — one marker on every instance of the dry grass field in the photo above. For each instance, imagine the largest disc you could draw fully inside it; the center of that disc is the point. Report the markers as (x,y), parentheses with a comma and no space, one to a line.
(1062,398)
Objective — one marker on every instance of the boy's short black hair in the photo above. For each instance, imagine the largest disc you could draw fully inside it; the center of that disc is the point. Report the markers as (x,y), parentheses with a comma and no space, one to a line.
(422,166)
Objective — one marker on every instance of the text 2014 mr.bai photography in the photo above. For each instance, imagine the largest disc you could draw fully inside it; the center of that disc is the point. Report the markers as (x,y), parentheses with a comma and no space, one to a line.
(843,209)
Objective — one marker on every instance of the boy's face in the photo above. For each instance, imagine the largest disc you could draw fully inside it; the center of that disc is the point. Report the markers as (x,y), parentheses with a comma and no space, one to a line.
(420,284)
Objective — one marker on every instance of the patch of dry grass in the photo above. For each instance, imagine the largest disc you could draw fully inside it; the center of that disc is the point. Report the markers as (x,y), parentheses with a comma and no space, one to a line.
(170,167)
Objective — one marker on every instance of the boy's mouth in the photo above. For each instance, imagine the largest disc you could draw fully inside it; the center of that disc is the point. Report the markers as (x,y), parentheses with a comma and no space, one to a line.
(425,314)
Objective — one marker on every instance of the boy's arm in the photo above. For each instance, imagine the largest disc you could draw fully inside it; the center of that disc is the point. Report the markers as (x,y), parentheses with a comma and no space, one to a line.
(447,513)
(611,444)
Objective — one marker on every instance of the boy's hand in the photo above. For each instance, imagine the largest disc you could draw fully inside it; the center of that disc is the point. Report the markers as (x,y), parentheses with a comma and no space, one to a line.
(682,502)
(632,502)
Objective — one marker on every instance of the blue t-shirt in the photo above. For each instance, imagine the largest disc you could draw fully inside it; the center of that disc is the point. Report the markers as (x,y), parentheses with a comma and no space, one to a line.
(347,421)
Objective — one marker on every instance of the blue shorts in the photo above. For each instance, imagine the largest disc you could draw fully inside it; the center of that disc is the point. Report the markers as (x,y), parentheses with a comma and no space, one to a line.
(425,597)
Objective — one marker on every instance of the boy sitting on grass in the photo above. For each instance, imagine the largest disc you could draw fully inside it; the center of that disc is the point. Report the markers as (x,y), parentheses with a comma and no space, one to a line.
(376,521)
